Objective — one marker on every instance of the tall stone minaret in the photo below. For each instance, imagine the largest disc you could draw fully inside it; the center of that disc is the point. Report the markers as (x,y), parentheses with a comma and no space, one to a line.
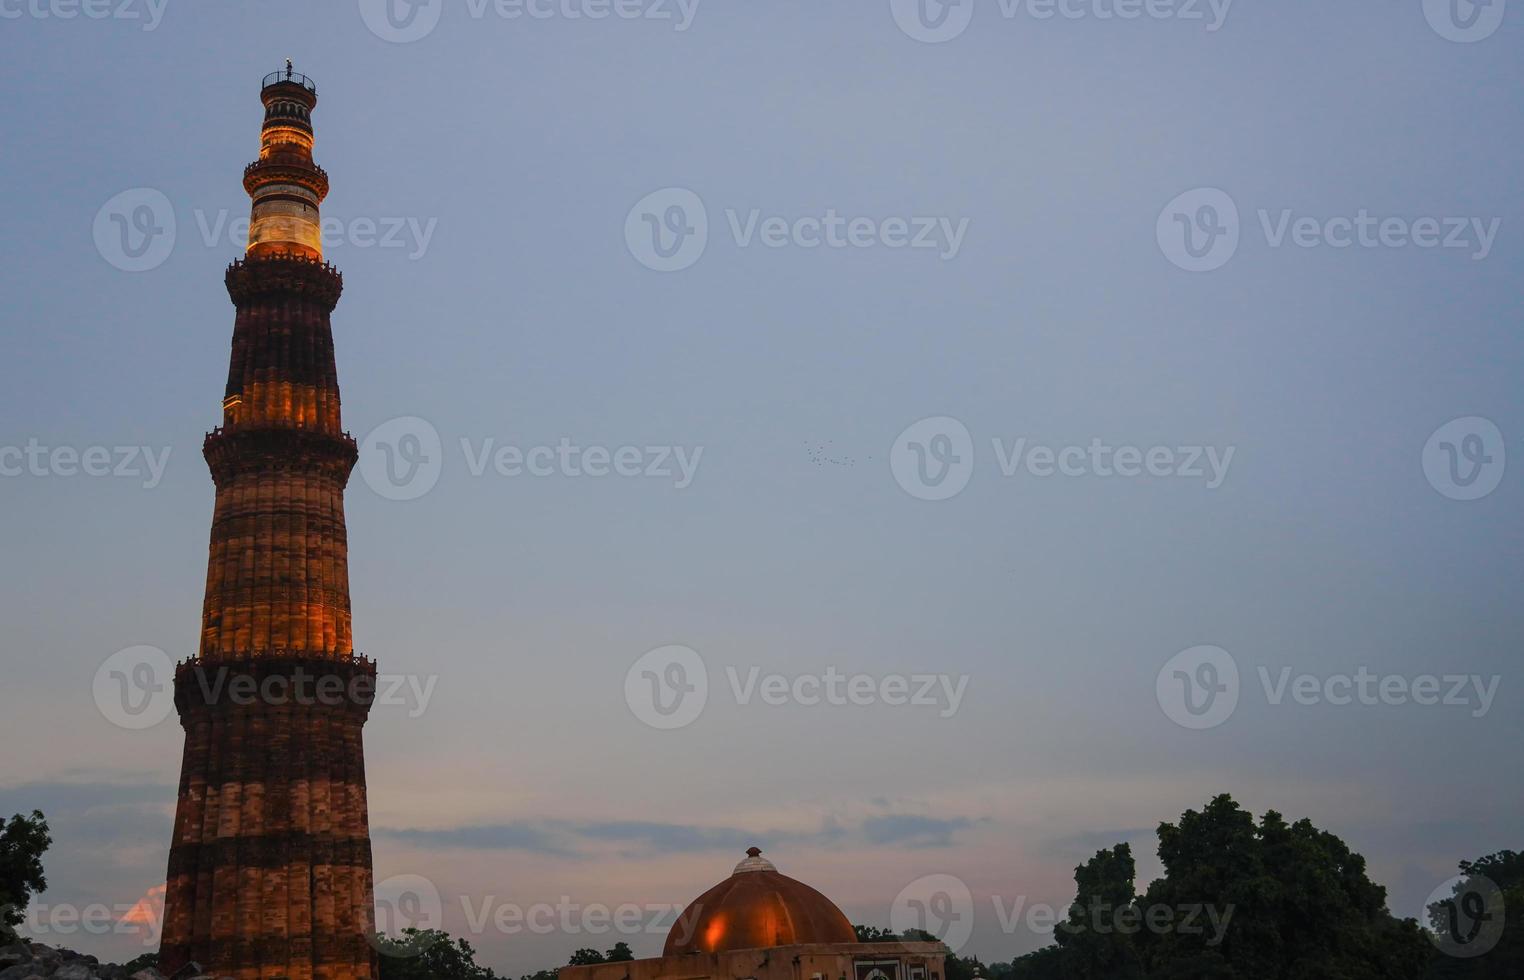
(270,867)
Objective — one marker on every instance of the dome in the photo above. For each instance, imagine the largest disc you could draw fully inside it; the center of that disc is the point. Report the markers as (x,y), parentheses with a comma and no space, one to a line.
(757,907)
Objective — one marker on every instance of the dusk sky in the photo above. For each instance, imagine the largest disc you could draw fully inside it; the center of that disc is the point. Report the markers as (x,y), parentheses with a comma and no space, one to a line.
(1286,437)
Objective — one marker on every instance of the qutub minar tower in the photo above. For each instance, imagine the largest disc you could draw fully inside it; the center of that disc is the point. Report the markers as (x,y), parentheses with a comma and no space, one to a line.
(270,867)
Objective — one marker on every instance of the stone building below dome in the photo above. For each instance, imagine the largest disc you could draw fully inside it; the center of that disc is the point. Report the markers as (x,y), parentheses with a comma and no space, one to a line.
(759,924)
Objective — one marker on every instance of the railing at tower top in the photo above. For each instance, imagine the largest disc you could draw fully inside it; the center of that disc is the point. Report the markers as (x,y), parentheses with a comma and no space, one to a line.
(287,75)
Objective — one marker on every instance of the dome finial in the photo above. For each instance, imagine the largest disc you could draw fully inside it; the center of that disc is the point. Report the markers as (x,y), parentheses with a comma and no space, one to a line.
(754,862)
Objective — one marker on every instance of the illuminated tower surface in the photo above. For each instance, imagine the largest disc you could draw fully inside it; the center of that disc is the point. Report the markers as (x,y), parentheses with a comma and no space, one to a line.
(270,867)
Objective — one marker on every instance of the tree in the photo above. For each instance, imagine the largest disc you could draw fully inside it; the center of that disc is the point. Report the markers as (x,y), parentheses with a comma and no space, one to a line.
(22,844)
(873,934)
(438,958)
(1238,901)
(1471,915)
(1043,964)
(621,953)
(965,968)
(1273,900)
(1095,937)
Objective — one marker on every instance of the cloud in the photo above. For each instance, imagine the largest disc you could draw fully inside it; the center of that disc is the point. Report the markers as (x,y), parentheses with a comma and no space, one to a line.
(564,838)
(116,818)
(148,909)
(666,838)
(913,831)
(58,798)
(574,839)
(484,837)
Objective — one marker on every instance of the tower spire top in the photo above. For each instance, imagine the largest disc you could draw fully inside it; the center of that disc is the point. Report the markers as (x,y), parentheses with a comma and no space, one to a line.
(287,187)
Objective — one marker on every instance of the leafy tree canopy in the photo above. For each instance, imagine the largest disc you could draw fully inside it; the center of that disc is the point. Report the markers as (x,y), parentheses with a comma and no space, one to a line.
(22,844)
(439,958)
(1239,900)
